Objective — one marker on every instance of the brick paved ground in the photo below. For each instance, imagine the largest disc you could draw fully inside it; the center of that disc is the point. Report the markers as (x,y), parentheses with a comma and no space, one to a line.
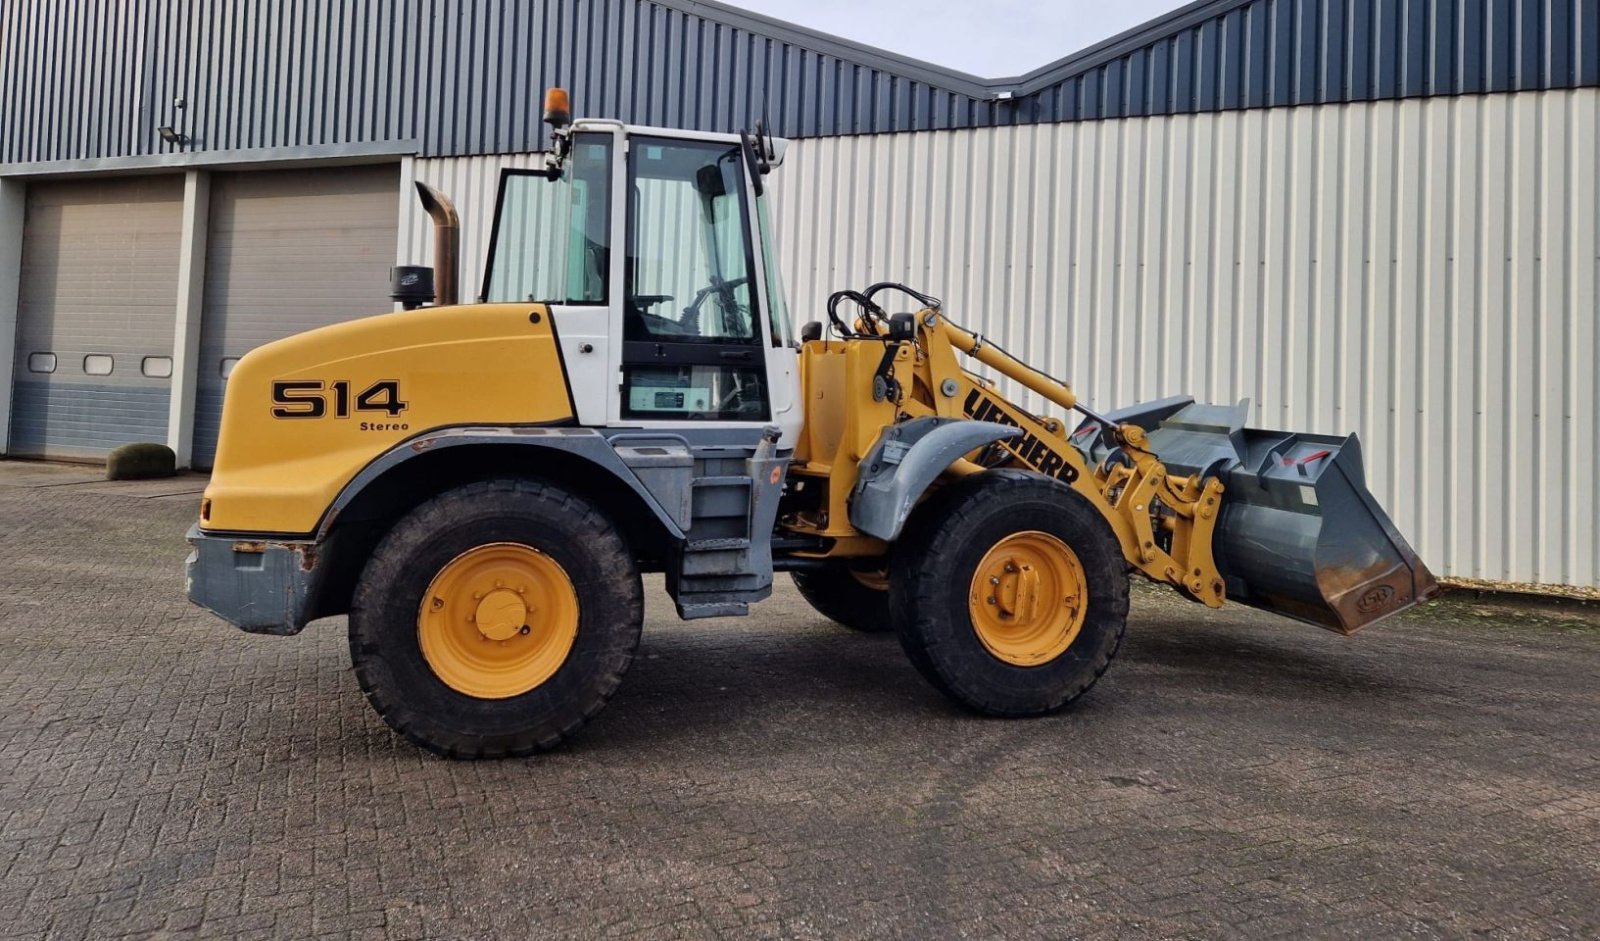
(162,775)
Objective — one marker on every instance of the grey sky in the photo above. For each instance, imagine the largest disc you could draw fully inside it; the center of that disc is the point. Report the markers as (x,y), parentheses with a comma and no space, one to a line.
(990,38)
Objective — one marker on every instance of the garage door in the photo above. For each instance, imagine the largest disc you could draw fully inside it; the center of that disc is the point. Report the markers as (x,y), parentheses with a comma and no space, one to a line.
(289,250)
(95,316)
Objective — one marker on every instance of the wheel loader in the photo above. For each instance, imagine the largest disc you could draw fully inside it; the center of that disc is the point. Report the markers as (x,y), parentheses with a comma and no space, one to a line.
(480,486)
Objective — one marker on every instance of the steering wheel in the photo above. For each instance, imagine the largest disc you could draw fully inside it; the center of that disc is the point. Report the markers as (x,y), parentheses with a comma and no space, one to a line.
(690,320)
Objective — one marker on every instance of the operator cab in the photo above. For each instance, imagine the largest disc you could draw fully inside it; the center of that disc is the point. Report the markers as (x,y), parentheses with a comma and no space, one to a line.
(653,249)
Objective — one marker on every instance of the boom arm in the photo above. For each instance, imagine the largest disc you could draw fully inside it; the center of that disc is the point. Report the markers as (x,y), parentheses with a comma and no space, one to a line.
(1164,523)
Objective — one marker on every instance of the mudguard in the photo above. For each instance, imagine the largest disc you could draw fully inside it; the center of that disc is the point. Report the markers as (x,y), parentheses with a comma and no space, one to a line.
(584,442)
(905,460)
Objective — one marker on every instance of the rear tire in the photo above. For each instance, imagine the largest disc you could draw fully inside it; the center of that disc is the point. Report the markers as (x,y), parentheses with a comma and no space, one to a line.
(429,602)
(846,598)
(1061,629)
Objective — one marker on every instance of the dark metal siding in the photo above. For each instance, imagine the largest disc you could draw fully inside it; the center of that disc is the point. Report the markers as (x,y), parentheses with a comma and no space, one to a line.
(1269,53)
(94,78)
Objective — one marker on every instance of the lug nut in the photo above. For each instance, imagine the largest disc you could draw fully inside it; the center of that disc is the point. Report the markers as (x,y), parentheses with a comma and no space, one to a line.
(526,630)
(994,579)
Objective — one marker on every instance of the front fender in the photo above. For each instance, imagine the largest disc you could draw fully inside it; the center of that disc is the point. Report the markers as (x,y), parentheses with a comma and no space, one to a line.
(905,460)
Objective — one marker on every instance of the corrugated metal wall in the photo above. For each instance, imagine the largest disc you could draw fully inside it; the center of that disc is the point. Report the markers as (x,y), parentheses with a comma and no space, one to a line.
(94,78)
(1267,53)
(86,79)
(1423,272)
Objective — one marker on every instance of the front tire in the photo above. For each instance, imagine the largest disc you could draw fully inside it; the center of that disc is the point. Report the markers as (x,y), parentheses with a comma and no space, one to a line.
(496,619)
(1015,593)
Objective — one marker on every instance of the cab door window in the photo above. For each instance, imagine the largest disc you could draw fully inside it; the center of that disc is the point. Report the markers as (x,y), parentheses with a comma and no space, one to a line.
(691,328)
(552,239)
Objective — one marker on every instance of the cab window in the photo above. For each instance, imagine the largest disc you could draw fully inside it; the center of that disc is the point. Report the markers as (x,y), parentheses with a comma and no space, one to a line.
(689,259)
(525,262)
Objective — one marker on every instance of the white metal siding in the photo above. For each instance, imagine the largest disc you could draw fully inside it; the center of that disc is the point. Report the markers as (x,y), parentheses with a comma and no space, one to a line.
(1422,272)
(98,278)
(288,251)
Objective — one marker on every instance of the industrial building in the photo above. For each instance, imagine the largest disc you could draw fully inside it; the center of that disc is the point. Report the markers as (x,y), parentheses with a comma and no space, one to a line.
(1378,216)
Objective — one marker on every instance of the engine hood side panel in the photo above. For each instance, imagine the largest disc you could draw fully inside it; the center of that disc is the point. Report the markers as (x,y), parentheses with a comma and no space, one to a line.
(302,416)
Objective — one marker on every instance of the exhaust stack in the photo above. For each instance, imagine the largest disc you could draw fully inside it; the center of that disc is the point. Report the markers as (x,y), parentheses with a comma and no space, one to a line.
(446,243)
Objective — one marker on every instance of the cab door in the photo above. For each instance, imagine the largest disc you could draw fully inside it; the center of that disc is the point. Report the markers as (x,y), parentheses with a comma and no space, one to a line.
(693,344)
(783,353)
(551,244)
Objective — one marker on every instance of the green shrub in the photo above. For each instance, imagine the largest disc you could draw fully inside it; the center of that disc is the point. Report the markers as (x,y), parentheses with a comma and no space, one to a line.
(141,461)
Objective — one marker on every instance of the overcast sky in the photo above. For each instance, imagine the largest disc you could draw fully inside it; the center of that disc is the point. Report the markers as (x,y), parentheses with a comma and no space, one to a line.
(990,38)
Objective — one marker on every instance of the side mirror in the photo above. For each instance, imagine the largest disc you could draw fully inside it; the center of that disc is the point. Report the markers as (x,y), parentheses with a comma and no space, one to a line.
(708,181)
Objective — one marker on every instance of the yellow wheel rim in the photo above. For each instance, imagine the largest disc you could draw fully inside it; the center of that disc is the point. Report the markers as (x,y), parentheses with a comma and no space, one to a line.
(1028,598)
(498,620)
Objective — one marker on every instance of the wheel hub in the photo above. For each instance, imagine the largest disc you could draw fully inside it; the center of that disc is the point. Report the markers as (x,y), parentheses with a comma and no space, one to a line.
(500,614)
(498,620)
(1028,598)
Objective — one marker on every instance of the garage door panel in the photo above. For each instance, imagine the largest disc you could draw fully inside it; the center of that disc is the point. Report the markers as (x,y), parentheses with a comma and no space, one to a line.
(79,421)
(99,278)
(289,251)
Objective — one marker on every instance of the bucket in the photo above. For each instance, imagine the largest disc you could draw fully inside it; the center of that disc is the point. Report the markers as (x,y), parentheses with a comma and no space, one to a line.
(1299,533)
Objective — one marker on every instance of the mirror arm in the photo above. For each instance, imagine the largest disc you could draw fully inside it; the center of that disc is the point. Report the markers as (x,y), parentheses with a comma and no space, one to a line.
(560,148)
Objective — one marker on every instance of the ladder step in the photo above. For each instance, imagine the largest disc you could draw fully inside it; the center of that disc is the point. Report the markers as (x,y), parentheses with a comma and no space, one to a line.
(730,481)
(716,545)
(689,610)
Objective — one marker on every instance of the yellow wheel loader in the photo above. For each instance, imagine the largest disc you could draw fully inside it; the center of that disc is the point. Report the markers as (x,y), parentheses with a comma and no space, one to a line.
(480,486)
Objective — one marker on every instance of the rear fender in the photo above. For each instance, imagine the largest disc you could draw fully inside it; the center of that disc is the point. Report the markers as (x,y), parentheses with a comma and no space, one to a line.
(585,443)
(906,459)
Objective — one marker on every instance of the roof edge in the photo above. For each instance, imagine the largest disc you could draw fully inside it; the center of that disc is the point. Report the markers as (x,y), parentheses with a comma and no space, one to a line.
(356,151)
(837,46)
(1121,44)
(955,80)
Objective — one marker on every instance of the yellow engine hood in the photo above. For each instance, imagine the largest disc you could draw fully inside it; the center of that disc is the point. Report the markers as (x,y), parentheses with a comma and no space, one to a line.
(303,415)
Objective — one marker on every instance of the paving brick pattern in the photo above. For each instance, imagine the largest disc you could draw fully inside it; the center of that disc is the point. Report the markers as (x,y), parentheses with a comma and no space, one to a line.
(164,776)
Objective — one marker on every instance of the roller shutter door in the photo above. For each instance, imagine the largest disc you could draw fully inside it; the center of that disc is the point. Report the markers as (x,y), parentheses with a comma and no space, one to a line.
(95,316)
(289,250)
